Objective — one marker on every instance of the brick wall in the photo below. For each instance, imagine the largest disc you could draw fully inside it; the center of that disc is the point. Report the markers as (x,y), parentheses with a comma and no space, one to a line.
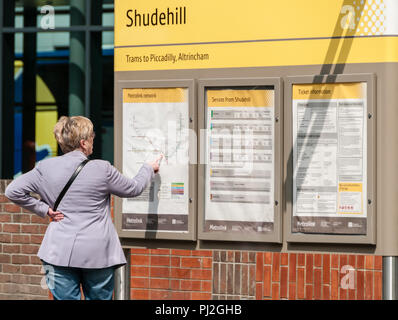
(219,275)
(194,274)
(21,234)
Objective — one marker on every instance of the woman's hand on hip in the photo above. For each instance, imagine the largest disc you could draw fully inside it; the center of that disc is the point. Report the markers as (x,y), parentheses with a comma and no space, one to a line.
(55,215)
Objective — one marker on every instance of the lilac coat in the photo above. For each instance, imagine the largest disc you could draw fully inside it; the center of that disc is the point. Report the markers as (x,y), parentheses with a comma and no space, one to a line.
(86,237)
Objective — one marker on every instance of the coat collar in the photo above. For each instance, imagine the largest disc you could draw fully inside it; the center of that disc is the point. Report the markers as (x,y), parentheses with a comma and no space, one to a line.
(76,154)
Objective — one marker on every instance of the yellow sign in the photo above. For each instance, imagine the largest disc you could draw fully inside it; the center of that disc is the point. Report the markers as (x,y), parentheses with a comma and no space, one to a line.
(329,91)
(149,95)
(177,34)
(239,98)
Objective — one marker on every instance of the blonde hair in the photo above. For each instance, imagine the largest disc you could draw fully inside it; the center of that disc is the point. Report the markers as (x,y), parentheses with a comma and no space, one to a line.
(68,132)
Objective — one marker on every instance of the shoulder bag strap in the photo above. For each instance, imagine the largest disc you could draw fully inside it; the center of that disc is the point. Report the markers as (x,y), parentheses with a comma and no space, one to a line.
(72,178)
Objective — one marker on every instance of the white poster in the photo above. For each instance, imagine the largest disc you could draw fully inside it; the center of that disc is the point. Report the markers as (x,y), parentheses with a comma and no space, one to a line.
(156,122)
(239,189)
(329,158)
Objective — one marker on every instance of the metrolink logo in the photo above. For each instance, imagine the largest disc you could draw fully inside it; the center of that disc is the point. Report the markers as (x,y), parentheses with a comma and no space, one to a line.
(305,223)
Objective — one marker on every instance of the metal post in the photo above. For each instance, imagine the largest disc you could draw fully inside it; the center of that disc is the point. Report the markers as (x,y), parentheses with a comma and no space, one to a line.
(122,279)
(77,69)
(390,278)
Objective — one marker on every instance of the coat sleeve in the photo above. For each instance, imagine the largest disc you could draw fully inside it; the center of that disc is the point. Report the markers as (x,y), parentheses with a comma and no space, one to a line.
(124,187)
(18,191)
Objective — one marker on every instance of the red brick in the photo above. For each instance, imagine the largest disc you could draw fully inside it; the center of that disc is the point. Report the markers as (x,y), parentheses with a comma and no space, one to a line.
(309,292)
(139,251)
(200,296)
(206,286)
(5,238)
(259,266)
(160,272)
(284,282)
(159,251)
(252,280)
(335,261)
(21,218)
(159,283)
(182,295)
(318,260)
(309,259)
(20,259)
(360,262)
(352,261)
(200,274)
(267,281)
(175,261)
(326,268)
(159,295)
(284,259)
(5,217)
(292,291)
(34,239)
(139,260)
(259,291)
(181,252)
(174,284)
(31,269)
(275,266)
(267,257)
(36,219)
(13,248)
(10,268)
(11,228)
(368,285)
(29,249)
(138,271)
(12,208)
(190,262)
(139,294)
(335,284)
(369,262)
(343,294)
(223,277)
(378,285)
(136,282)
(30,229)
(191,285)
(4,199)
(378,263)
(301,259)
(207,262)
(317,284)
(351,294)
(5,258)
(292,267)
(202,253)
(180,273)
(343,260)
(245,257)
(300,283)
(326,292)
(360,285)
(275,291)
(230,256)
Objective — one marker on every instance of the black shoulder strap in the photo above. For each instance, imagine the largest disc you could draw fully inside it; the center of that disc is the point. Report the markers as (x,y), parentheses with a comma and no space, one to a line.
(72,178)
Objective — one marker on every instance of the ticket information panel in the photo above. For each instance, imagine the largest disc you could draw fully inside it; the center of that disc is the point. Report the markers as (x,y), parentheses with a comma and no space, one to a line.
(330,158)
(156,122)
(239,172)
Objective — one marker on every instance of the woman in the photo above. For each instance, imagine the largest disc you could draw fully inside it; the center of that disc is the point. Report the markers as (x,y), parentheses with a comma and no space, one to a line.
(81,245)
